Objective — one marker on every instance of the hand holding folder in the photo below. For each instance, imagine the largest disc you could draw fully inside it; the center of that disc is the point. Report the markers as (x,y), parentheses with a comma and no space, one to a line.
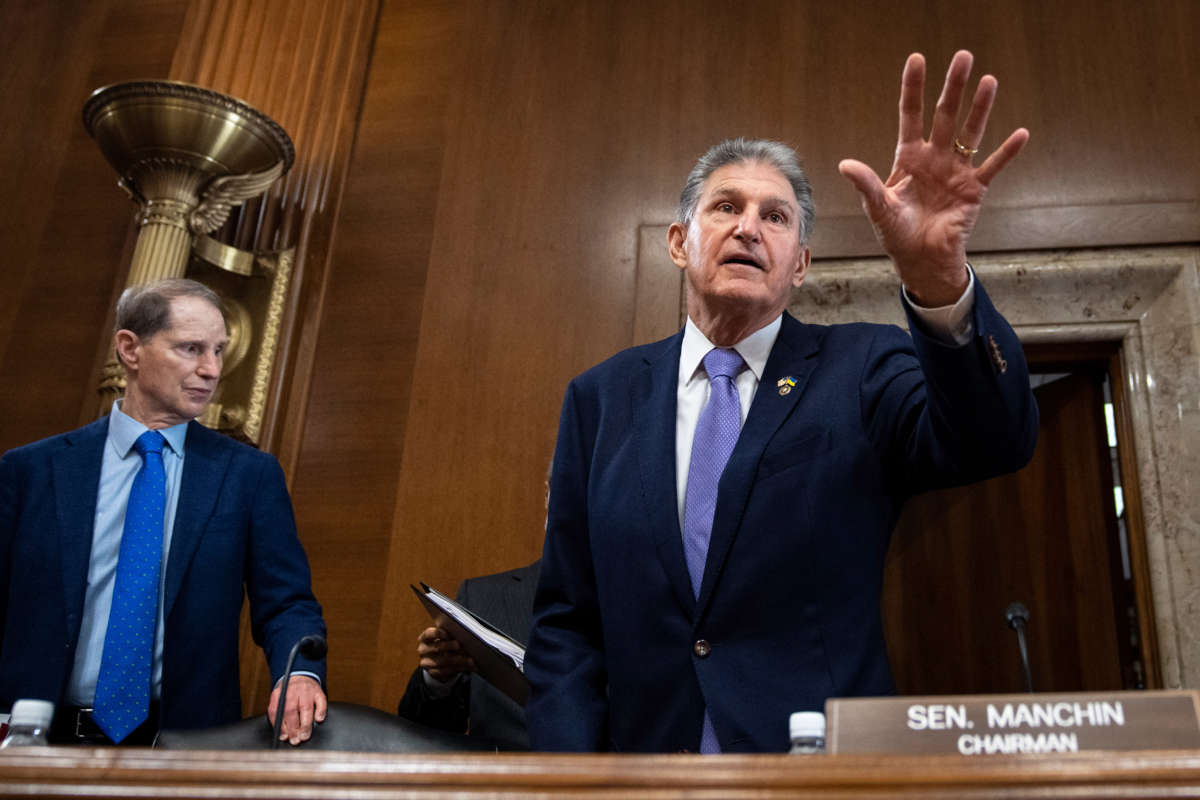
(498,657)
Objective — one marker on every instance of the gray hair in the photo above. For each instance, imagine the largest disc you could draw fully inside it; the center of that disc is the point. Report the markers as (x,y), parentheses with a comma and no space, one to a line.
(739,151)
(146,310)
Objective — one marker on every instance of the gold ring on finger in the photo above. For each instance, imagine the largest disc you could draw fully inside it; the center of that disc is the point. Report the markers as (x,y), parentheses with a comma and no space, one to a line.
(963,150)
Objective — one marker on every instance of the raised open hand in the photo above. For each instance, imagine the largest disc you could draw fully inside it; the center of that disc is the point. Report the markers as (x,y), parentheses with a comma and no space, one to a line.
(925,211)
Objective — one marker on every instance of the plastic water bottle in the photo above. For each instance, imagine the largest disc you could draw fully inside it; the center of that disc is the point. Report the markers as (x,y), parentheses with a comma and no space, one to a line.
(29,724)
(808,732)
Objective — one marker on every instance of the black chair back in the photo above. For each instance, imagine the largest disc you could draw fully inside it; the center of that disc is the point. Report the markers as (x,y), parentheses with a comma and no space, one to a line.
(347,727)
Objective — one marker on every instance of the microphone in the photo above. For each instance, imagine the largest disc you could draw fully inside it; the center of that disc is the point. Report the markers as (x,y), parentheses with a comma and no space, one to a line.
(1018,618)
(311,647)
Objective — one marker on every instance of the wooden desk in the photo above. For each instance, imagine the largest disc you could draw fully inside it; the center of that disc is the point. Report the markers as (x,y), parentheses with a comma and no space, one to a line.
(140,773)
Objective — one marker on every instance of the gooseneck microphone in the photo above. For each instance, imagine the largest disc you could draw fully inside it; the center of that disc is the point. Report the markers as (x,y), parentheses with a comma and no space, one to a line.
(1018,618)
(311,647)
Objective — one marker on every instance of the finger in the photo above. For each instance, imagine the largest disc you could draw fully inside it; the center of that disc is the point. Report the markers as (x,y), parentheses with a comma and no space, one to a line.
(945,116)
(981,108)
(429,636)
(291,722)
(912,103)
(869,187)
(322,707)
(285,727)
(1004,153)
(306,722)
(442,664)
(438,647)
(291,710)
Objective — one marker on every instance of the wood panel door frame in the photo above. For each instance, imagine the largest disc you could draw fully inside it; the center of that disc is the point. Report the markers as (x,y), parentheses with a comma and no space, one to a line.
(1109,356)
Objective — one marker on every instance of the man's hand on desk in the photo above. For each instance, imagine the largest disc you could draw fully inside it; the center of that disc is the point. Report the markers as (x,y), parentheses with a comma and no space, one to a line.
(306,703)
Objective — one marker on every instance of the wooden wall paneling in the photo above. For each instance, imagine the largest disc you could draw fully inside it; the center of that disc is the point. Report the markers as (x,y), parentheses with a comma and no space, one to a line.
(332,104)
(530,277)
(303,64)
(1091,176)
(63,221)
(661,294)
(348,465)
(29,93)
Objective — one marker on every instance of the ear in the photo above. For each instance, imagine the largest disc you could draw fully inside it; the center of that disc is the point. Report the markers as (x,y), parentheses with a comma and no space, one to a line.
(128,347)
(802,267)
(676,239)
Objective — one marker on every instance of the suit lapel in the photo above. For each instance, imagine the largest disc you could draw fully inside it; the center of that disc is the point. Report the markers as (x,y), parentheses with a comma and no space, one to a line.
(653,398)
(793,358)
(204,467)
(76,486)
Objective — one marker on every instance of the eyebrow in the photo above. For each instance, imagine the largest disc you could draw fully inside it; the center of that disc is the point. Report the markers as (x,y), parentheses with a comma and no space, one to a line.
(770,202)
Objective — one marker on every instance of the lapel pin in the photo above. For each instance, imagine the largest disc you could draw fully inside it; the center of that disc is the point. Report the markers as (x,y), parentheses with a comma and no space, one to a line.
(785,384)
(997,359)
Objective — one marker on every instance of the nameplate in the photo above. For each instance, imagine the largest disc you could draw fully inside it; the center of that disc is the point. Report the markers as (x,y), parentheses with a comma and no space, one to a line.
(1012,724)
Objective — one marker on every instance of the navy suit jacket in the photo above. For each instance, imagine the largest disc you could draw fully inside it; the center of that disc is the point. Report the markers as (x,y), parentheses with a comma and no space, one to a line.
(623,656)
(506,601)
(234,530)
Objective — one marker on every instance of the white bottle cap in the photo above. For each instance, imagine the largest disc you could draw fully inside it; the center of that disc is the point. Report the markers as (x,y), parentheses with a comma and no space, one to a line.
(36,713)
(806,723)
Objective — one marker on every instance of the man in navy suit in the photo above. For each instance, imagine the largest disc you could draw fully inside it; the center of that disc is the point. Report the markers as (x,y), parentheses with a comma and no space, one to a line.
(227,528)
(671,619)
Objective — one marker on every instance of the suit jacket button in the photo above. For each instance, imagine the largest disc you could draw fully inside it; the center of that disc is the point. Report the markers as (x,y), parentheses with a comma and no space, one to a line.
(702,648)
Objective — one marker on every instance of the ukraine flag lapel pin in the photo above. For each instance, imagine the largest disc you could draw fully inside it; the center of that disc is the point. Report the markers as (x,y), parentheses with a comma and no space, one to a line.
(785,384)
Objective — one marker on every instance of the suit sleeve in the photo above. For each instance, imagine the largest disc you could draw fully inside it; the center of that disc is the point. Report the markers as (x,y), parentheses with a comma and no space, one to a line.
(278,583)
(449,713)
(565,661)
(959,413)
(8,527)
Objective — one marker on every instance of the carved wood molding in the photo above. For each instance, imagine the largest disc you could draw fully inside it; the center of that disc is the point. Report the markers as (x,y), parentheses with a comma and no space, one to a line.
(113,772)
(304,64)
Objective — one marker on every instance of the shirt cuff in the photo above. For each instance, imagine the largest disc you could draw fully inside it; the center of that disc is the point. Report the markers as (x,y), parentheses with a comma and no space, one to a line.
(439,688)
(305,673)
(950,324)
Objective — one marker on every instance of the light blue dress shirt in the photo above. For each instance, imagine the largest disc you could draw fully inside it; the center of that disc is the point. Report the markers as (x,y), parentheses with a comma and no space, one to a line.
(117,470)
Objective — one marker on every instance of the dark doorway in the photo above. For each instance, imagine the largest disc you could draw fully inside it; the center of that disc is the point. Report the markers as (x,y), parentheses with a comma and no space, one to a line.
(1055,536)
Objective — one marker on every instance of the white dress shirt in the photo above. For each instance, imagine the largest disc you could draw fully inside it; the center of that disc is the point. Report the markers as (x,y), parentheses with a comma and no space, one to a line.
(951,324)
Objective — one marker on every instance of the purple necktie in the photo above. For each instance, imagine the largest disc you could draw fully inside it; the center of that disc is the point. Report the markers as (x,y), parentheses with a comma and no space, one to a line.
(716,433)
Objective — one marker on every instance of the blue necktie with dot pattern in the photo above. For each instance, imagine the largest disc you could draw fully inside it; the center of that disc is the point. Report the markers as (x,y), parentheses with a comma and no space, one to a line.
(123,687)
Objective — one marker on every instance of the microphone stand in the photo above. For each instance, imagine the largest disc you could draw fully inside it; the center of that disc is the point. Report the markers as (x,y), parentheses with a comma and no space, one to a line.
(311,647)
(1018,617)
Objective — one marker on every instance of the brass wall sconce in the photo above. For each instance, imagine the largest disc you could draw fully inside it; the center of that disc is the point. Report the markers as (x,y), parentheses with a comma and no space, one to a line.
(187,156)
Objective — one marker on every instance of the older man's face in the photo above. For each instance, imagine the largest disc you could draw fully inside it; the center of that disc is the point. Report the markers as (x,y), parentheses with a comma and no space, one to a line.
(172,375)
(742,251)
